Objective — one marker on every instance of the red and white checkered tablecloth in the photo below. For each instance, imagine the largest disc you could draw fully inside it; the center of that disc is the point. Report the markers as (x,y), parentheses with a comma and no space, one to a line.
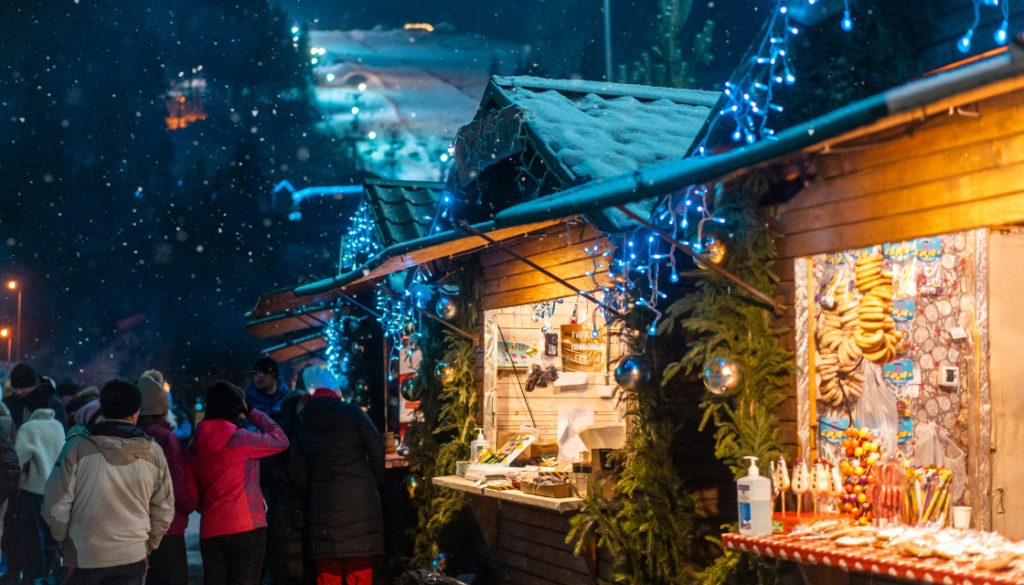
(868,559)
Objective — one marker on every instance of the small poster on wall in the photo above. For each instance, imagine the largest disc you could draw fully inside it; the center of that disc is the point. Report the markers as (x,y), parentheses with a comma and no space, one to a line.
(581,351)
(514,353)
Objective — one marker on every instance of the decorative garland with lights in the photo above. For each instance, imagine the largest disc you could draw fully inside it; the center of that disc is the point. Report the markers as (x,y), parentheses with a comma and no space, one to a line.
(362,241)
(713,321)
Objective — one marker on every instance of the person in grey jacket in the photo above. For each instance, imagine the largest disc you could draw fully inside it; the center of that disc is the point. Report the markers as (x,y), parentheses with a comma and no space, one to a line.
(109,499)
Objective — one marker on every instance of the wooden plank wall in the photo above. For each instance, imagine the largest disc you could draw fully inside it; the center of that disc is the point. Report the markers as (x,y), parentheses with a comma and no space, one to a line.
(507,282)
(950,173)
(510,408)
(532,550)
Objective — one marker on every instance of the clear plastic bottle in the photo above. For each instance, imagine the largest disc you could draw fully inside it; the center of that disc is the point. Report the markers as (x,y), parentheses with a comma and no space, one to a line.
(755,502)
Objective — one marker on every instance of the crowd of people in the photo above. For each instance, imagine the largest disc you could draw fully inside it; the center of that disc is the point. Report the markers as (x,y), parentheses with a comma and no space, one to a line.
(97,485)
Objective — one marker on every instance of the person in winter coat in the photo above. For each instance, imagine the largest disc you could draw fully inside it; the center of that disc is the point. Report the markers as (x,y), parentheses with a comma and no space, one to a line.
(267,391)
(168,564)
(224,479)
(337,457)
(38,444)
(24,380)
(286,508)
(109,500)
(10,475)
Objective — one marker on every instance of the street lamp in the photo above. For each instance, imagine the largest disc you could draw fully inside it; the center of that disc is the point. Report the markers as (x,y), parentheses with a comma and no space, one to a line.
(13,285)
(5,333)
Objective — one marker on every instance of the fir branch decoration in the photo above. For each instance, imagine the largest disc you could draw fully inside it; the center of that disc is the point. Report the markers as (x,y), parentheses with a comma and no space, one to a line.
(650,531)
(653,530)
(729,323)
(443,435)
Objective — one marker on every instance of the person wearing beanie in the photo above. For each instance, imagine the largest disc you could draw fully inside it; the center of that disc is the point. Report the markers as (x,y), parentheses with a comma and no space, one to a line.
(86,416)
(38,444)
(267,391)
(24,380)
(82,398)
(109,500)
(168,564)
(336,460)
(223,480)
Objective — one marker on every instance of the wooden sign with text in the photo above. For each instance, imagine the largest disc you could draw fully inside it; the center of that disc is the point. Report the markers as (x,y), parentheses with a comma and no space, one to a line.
(581,351)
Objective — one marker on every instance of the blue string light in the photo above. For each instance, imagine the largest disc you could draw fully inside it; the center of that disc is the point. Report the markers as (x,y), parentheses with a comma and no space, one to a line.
(362,241)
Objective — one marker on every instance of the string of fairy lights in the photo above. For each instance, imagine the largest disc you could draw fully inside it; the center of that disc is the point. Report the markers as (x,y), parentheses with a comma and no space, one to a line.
(633,260)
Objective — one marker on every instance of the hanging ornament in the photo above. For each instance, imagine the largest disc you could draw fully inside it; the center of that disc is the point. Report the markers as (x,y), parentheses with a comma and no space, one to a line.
(444,373)
(713,249)
(412,486)
(356,348)
(351,325)
(632,372)
(440,562)
(447,309)
(409,327)
(721,375)
(407,388)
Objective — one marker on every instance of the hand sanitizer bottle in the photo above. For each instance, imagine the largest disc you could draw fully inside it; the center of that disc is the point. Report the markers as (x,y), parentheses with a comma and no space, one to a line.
(479,443)
(755,502)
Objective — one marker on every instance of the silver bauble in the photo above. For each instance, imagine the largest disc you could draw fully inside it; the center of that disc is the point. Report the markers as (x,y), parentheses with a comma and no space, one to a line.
(412,485)
(407,388)
(444,373)
(632,372)
(447,309)
(721,375)
(441,563)
(409,327)
(713,249)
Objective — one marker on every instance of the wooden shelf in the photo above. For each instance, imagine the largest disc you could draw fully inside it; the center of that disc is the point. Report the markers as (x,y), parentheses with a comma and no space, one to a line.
(559,505)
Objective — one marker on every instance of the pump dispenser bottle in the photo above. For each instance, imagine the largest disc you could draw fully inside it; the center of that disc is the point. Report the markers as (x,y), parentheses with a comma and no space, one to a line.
(479,443)
(754,494)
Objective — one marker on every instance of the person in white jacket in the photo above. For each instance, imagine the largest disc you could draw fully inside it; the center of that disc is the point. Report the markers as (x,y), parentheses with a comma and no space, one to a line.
(38,444)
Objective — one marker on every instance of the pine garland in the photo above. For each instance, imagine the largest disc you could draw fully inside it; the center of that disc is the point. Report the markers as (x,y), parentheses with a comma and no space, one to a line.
(652,534)
(442,436)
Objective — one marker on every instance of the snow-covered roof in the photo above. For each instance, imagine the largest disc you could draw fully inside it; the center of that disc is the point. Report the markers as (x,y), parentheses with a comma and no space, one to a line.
(597,129)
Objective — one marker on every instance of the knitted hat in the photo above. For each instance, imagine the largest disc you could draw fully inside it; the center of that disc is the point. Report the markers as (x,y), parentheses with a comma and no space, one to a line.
(120,399)
(87,415)
(155,400)
(23,376)
(224,400)
(267,365)
(155,374)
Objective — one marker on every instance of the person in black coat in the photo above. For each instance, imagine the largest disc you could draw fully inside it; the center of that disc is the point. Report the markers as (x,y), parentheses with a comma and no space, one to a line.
(10,475)
(286,507)
(337,457)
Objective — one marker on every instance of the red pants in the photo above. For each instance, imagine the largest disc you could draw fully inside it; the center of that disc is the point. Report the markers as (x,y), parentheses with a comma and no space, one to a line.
(348,571)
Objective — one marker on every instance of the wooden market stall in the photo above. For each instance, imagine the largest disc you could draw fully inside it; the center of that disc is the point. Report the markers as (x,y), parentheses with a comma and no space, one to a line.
(533,137)
(925,182)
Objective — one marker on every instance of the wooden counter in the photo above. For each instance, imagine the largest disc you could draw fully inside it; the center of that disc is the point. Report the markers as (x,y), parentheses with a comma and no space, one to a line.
(525,537)
(557,505)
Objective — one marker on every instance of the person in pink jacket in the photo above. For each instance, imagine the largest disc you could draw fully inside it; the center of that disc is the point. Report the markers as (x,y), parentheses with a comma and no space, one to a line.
(223,477)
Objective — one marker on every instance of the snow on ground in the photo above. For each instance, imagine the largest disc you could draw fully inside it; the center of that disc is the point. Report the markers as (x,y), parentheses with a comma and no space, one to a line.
(419,88)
